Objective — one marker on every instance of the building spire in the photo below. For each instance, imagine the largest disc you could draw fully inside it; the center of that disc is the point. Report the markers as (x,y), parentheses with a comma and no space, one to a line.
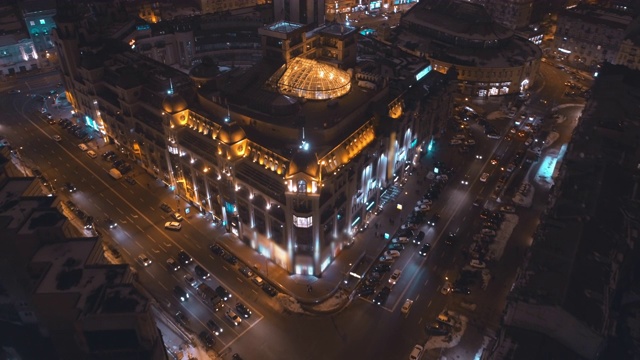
(170,92)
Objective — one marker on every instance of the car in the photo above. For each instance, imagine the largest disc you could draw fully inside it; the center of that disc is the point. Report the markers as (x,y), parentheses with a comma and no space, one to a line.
(424,250)
(258,280)
(144,260)
(437,329)
(172,225)
(14,91)
(181,318)
(406,306)
(380,268)
(223,293)
(446,288)
(395,247)
(366,290)
(57,138)
(83,147)
(450,239)
(184,258)
(416,352)
(400,240)
(176,216)
(201,272)
(108,154)
(230,258)
(172,265)
(392,253)
(488,232)
(484,177)
(71,205)
(246,271)
(478,264)
(88,223)
(445,319)
(477,202)
(190,280)
(243,310)
(166,208)
(382,296)
(373,279)
(393,279)
(110,223)
(508,209)
(180,293)
(130,180)
(489,225)
(80,214)
(465,180)
(92,154)
(216,249)
(454,142)
(270,290)
(418,238)
(207,339)
(470,142)
(233,317)
(48,115)
(422,208)
(434,220)
(215,328)
(70,187)
(479,157)
(461,290)
(511,167)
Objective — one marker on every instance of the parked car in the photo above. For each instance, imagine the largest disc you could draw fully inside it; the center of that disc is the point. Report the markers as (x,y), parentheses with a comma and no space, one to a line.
(216,249)
(184,258)
(166,208)
(416,352)
(406,306)
(214,327)
(233,317)
(382,296)
(478,264)
(230,258)
(380,268)
(398,247)
(393,279)
(207,339)
(172,225)
(223,293)
(258,280)
(243,310)
(176,216)
(180,293)
(437,329)
(270,290)
(246,271)
(190,280)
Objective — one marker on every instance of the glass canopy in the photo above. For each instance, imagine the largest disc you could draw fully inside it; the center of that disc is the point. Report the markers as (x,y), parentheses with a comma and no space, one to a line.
(312,80)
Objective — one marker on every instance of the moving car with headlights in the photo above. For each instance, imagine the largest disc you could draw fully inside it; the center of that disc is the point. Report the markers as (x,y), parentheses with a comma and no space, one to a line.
(180,293)
(406,306)
(144,260)
(424,250)
(111,223)
(201,272)
(223,293)
(484,177)
(382,296)
(172,265)
(215,328)
(393,279)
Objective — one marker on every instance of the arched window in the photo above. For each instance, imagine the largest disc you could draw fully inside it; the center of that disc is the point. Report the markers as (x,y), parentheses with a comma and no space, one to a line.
(302,186)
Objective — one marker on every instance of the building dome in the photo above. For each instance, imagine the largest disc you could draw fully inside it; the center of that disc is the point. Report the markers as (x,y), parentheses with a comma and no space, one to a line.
(306,162)
(174,103)
(231,133)
(205,71)
(312,80)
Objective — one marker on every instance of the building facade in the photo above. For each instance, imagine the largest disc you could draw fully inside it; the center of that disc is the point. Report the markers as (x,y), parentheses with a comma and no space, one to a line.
(490,60)
(17,54)
(590,35)
(291,155)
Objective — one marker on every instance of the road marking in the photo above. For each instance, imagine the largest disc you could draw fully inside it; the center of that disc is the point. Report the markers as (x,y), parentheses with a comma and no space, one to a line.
(212,257)
(417,297)
(136,241)
(134,216)
(198,245)
(138,226)
(239,280)
(419,321)
(150,274)
(429,303)
(149,236)
(166,244)
(125,250)
(426,282)
(161,284)
(121,212)
(155,251)
(126,233)
(128,218)
(93,187)
(224,267)
(109,201)
(255,292)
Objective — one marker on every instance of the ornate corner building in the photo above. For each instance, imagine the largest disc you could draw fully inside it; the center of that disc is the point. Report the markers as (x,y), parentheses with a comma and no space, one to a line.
(291,155)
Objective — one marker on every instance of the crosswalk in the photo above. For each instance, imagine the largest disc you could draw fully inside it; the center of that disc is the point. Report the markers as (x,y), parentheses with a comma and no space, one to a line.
(389,194)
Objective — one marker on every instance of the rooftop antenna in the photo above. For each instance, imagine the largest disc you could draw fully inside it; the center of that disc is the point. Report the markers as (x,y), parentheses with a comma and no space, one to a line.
(304,145)
(228,118)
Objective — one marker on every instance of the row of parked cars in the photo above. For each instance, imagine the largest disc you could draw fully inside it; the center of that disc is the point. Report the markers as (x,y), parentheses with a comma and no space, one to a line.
(76,130)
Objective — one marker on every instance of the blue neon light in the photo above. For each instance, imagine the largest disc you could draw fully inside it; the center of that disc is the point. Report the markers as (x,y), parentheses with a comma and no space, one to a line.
(370,205)
(423,72)
(357,220)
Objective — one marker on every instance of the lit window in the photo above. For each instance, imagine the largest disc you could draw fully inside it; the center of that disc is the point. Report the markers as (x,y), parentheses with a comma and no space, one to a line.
(32,23)
(302,186)
(302,222)
(42,22)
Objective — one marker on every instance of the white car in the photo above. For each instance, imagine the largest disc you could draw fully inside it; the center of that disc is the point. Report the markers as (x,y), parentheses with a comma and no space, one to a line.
(258,280)
(57,138)
(190,280)
(484,177)
(446,288)
(508,209)
(393,253)
(172,225)
(83,147)
(176,216)
(235,319)
(400,240)
(144,260)
(92,154)
(407,306)
(393,279)
(478,264)
(470,142)
(416,352)
(455,142)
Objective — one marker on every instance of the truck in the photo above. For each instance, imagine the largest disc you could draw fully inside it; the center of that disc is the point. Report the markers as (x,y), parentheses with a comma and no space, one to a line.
(209,297)
(115,173)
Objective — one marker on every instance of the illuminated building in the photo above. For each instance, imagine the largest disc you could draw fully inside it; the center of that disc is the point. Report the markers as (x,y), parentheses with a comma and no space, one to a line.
(489,58)
(292,154)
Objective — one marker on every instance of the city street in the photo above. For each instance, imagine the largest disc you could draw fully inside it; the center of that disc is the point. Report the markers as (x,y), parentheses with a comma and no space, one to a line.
(363,329)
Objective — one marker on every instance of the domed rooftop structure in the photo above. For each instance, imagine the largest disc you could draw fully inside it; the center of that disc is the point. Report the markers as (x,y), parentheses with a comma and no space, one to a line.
(207,70)
(174,103)
(306,162)
(231,133)
(311,80)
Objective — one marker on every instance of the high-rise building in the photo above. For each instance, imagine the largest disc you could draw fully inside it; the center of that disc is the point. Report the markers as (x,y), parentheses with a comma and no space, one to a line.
(300,11)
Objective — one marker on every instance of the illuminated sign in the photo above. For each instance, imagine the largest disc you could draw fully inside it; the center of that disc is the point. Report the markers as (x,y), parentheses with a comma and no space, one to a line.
(302,222)
(423,72)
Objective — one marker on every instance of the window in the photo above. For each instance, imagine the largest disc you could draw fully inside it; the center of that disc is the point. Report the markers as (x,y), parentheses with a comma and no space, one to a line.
(302,186)
(32,23)
(42,22)
(302,222)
